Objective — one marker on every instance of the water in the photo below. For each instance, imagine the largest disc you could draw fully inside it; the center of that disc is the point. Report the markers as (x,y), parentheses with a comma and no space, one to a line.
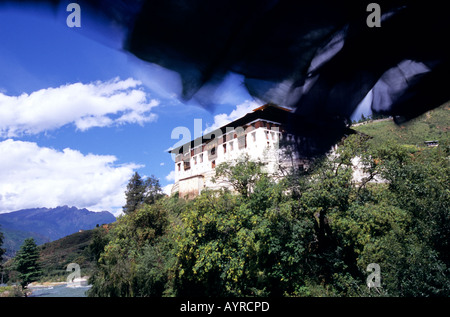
(60,291)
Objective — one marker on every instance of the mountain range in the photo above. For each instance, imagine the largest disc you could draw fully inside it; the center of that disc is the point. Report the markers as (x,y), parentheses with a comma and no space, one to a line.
(47,224)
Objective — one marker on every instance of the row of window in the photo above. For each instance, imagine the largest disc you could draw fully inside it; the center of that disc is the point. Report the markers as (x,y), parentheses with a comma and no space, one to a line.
(187,164)
(228,146)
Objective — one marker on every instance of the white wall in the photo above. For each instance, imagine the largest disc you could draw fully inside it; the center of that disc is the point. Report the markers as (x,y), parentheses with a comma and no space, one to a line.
(262,144)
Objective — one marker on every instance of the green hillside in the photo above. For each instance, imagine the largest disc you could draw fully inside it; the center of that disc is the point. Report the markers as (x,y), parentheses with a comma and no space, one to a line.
(56,255)
(433,125)
(74,248)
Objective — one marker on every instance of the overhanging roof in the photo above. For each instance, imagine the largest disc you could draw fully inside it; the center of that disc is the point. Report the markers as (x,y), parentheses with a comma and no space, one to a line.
(268,112)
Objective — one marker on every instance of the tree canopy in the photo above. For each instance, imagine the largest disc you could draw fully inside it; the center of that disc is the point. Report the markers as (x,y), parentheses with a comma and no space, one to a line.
(312,234)
(2,251)
(26,262)
(141,191)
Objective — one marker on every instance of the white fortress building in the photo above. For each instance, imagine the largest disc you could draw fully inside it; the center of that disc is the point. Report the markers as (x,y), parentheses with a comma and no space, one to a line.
(257,134)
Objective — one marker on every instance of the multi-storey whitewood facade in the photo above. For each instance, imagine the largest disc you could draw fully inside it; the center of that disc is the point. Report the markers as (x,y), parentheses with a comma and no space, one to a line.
(256,134)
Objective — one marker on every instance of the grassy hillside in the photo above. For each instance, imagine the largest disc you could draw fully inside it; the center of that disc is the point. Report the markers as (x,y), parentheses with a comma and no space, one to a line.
(433,125)
(74,248)
(56,255)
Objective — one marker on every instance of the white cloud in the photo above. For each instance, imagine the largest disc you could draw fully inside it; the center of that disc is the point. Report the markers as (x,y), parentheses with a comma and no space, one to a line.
(96,104)
(171,176)
(240,111)
(33,176)
(167,189)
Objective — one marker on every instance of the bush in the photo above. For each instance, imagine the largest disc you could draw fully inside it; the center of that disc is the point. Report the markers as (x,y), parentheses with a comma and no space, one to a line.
(310,235)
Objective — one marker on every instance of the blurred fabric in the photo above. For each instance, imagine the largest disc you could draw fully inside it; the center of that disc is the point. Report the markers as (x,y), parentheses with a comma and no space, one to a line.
(319,57)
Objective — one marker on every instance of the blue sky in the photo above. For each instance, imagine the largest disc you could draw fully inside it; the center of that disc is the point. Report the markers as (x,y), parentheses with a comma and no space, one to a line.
(52,80)
(78,115)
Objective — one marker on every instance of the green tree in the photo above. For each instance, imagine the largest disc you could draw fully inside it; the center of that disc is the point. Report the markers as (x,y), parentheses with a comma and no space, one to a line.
(418,184)
(134,193)
(401,223)
(2,251)
(26,262)
(309,234)
(99,241)
(327,189)
(253,243)
(133,241)
(153,190)
(241,174)
(140,191)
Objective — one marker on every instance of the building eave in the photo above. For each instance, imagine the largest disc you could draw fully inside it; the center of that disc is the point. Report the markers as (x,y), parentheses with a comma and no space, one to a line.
(267,112)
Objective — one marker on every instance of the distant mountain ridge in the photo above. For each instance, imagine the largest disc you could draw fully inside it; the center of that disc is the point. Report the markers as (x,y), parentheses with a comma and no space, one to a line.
(48,224)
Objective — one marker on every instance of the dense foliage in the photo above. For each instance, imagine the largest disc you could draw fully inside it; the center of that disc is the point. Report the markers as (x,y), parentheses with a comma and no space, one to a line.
(141,191)
(2,251)
(26,263)
(311,234)
(77,248)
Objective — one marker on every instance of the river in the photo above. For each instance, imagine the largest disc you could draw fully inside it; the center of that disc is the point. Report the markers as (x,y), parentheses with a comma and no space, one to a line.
(63,290)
